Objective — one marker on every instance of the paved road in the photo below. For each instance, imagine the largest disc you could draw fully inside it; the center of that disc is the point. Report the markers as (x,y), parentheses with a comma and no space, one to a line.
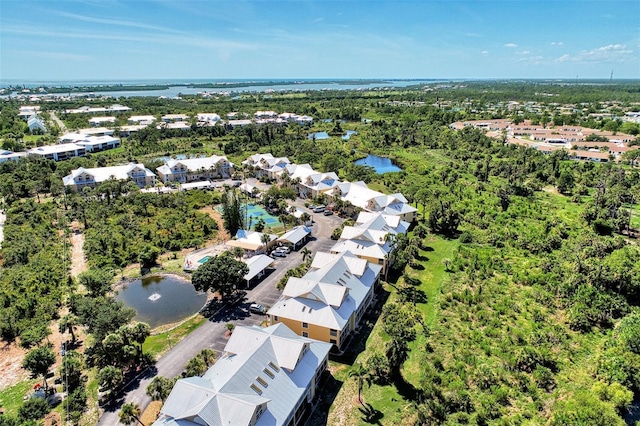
(211,333)
(59,122)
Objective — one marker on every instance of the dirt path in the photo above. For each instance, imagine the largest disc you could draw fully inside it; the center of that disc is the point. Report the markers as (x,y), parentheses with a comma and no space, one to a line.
(78,262)
(223,235)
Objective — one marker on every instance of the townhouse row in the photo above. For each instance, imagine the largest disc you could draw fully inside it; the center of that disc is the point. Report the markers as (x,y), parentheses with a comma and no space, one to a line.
(548,139)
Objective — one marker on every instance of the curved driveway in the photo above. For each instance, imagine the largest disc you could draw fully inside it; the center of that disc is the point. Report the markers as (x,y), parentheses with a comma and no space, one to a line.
(211,333)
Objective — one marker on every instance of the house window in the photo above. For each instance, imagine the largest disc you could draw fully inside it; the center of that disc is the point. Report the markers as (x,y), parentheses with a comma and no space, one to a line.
(305,334)
(275,318)
(333,341)
(261,381)
(333,332)
(305,325)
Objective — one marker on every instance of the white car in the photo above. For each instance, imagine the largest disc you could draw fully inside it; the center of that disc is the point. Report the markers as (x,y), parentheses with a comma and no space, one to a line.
(283,249)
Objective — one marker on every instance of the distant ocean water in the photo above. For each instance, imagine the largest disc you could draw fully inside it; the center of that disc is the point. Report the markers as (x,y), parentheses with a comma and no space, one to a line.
(177,87)
(186,81)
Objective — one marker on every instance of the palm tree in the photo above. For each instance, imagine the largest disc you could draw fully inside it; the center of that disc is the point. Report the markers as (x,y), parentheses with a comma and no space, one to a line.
(265,239)
(160,388)
(363,376)
(306,254)
(130,413)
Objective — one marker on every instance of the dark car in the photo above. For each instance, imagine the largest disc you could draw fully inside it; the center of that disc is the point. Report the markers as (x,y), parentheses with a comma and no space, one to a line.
(328,212)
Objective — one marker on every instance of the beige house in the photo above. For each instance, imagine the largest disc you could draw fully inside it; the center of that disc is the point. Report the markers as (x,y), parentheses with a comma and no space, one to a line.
(328,303)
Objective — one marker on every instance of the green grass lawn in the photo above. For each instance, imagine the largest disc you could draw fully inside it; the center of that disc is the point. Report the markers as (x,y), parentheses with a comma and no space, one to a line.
(12,397)
(386,399)
(158,344)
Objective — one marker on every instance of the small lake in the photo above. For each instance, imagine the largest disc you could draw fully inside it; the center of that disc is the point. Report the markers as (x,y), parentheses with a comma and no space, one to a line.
(319,135)
(161,299)
(380,164)
(348,135)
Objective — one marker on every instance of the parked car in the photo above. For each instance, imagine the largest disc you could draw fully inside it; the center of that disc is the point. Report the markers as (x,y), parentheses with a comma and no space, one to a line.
(257,309)
(283,249)
(319,209)
(328,212)
(278,253)
(312,206)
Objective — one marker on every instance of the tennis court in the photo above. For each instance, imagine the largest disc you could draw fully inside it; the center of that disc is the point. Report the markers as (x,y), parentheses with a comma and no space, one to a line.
(255,212)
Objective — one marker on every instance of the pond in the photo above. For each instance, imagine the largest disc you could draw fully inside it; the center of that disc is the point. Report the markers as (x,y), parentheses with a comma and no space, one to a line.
(379,164)
(161,299)
(348,135)
(319,135)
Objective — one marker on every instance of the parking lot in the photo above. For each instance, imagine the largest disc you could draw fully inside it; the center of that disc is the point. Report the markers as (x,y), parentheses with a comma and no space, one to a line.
(264,292)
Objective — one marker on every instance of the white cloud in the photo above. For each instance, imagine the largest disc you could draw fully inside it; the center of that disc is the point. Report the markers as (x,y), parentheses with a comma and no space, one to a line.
(485,52)
(510,45)
(523,52)
(611,52)
(557,43)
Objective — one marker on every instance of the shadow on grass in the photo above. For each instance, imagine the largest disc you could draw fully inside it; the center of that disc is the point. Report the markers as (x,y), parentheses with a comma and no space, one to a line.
(358,341)
(370,415)
(328,391)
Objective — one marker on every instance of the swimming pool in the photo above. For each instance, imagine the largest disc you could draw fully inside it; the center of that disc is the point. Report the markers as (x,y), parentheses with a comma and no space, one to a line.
(204,259)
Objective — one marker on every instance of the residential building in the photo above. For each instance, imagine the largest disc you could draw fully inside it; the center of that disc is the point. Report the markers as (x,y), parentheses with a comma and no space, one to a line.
(100,121)
(173,118)
(360,195)
(328,303)
(141,119)
(266,376)
(195,169)
(308,182)
(27,111)
(36,124)
(208,117)
(58,152)
(80,178)
(368,238)
(116,108)
(267,164)
(10,156)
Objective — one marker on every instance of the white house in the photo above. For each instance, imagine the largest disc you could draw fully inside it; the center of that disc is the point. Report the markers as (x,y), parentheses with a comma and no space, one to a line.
(360,195)
(36,123)
(195,169)
(80,178)
(58,152)
(100,121)
(266,376)
(173,118)
(267,164)
(208,117)
(141,119)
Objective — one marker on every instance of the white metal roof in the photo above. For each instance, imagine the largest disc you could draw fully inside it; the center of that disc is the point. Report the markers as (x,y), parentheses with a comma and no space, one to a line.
(256,265)
(230,392)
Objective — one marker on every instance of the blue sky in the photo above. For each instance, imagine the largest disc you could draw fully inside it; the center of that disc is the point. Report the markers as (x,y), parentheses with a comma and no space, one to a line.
(161,39)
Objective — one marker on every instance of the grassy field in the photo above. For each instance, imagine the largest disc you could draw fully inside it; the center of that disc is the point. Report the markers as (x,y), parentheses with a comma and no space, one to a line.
(11,398)
(158,344)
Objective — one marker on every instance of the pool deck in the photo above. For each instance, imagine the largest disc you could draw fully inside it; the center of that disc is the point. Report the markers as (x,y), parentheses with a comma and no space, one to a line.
(191,261)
